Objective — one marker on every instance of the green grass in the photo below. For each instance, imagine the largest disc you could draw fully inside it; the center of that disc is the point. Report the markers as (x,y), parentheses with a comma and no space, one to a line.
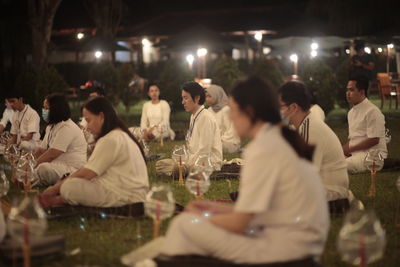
(103,241)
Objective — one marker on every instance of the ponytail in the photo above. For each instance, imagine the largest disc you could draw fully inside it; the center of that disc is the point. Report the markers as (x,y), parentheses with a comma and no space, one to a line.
(302,149)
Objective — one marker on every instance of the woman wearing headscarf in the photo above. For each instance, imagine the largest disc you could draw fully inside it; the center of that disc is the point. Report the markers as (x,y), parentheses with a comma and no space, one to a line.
(217,101)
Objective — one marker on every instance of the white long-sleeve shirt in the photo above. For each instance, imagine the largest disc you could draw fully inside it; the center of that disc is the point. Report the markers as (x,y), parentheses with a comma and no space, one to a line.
(154,115)
(225,125)
(204,138)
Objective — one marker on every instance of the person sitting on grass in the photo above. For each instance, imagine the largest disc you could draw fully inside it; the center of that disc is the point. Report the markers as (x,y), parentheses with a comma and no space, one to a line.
(63,148)
(8,113)
(295,101)
(24,123)
(281,214)
(116,172)
(366,126)
(217,100)
(155,116)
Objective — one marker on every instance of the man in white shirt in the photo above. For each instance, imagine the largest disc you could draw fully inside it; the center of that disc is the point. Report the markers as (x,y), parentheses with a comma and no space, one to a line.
(328,156)
(24,123)
(366,126)
(7,116)
(203,137)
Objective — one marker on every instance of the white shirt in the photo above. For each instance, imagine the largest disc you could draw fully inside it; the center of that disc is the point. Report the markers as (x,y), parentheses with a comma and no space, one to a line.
(25,122)
(67,137)
(367,121)
(328,155)
(204,138)
(286,196)
(156,115)
(225,125)
(120,167)
(7,116)
(317,111)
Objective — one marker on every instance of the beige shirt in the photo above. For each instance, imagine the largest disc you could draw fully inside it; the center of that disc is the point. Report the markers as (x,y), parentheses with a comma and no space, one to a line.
(225,125)
(120,166)
(367,121)
(25,122)
(204,138)
(286,196)
(328,156)
(67,137)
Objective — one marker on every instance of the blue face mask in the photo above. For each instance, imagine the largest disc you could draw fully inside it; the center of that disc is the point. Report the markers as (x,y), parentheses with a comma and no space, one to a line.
(284,119)
(45,115)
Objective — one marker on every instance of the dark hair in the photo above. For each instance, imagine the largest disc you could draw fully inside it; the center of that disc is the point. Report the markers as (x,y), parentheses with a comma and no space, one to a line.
(99,90)
(295,92)
(14,94)
(111,119)
(259,100)
(195,89)
(152,84)
(58,108)
(362,84)
(359,45)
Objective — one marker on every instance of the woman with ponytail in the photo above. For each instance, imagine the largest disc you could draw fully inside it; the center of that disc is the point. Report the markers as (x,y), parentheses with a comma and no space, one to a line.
(281,215)
(115,174)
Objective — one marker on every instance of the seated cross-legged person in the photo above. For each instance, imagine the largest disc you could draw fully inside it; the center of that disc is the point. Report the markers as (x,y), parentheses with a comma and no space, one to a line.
(281,214)
(155,116)
(366,126)
(328,157)
(115,174)
(24,123)
(217,100)
(203,137)
(63,149)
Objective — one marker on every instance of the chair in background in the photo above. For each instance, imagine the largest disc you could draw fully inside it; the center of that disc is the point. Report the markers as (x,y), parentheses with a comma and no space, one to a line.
(386,89)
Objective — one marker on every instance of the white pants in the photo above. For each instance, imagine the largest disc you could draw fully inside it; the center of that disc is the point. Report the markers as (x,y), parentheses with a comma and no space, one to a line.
(192,234)
(49,173)
(78,191)
(355,163)
(230,148)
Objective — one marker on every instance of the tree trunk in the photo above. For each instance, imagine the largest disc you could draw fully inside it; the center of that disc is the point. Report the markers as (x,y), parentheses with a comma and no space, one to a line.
(41,16)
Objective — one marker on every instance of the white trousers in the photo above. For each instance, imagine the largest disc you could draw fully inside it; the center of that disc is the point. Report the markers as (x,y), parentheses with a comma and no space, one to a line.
(355,163)
(192,234)
(49,173)
(28,145)
(78,191)
(230,148)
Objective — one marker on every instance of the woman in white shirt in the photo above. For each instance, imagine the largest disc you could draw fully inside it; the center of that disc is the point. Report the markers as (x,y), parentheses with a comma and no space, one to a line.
(115,174)
(155,116)
(63,149)
(217,100)
(281,213)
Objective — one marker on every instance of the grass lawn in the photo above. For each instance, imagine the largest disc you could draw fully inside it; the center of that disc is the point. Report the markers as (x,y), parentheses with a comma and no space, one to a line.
(103,241)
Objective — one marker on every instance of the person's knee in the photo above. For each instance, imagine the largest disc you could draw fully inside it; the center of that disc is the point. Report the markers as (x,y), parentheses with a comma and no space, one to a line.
(68,190)
(46,174)
(26,145)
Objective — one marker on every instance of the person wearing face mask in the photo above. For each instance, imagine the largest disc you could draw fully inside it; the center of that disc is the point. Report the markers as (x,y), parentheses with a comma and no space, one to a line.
(155,116)
(295,101)
(217,100)
(24,123)
(63,148)
(8,113)
(115,174)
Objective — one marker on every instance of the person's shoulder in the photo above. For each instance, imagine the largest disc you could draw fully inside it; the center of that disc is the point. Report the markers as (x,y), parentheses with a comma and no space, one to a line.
(32,111)
(164,102)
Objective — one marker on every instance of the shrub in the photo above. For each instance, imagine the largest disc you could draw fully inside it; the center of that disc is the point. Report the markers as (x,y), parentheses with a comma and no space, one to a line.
(225,72)
(107,74)
(37,84)
(267,69)
(342,76)
(321,80)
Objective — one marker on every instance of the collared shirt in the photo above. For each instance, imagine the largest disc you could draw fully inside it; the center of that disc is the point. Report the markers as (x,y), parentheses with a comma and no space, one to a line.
(7,116)
(204,138)
(328,156)
(286,196)
(67,137)
(120,167)
(367,121)
(25,122)
(225,125)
